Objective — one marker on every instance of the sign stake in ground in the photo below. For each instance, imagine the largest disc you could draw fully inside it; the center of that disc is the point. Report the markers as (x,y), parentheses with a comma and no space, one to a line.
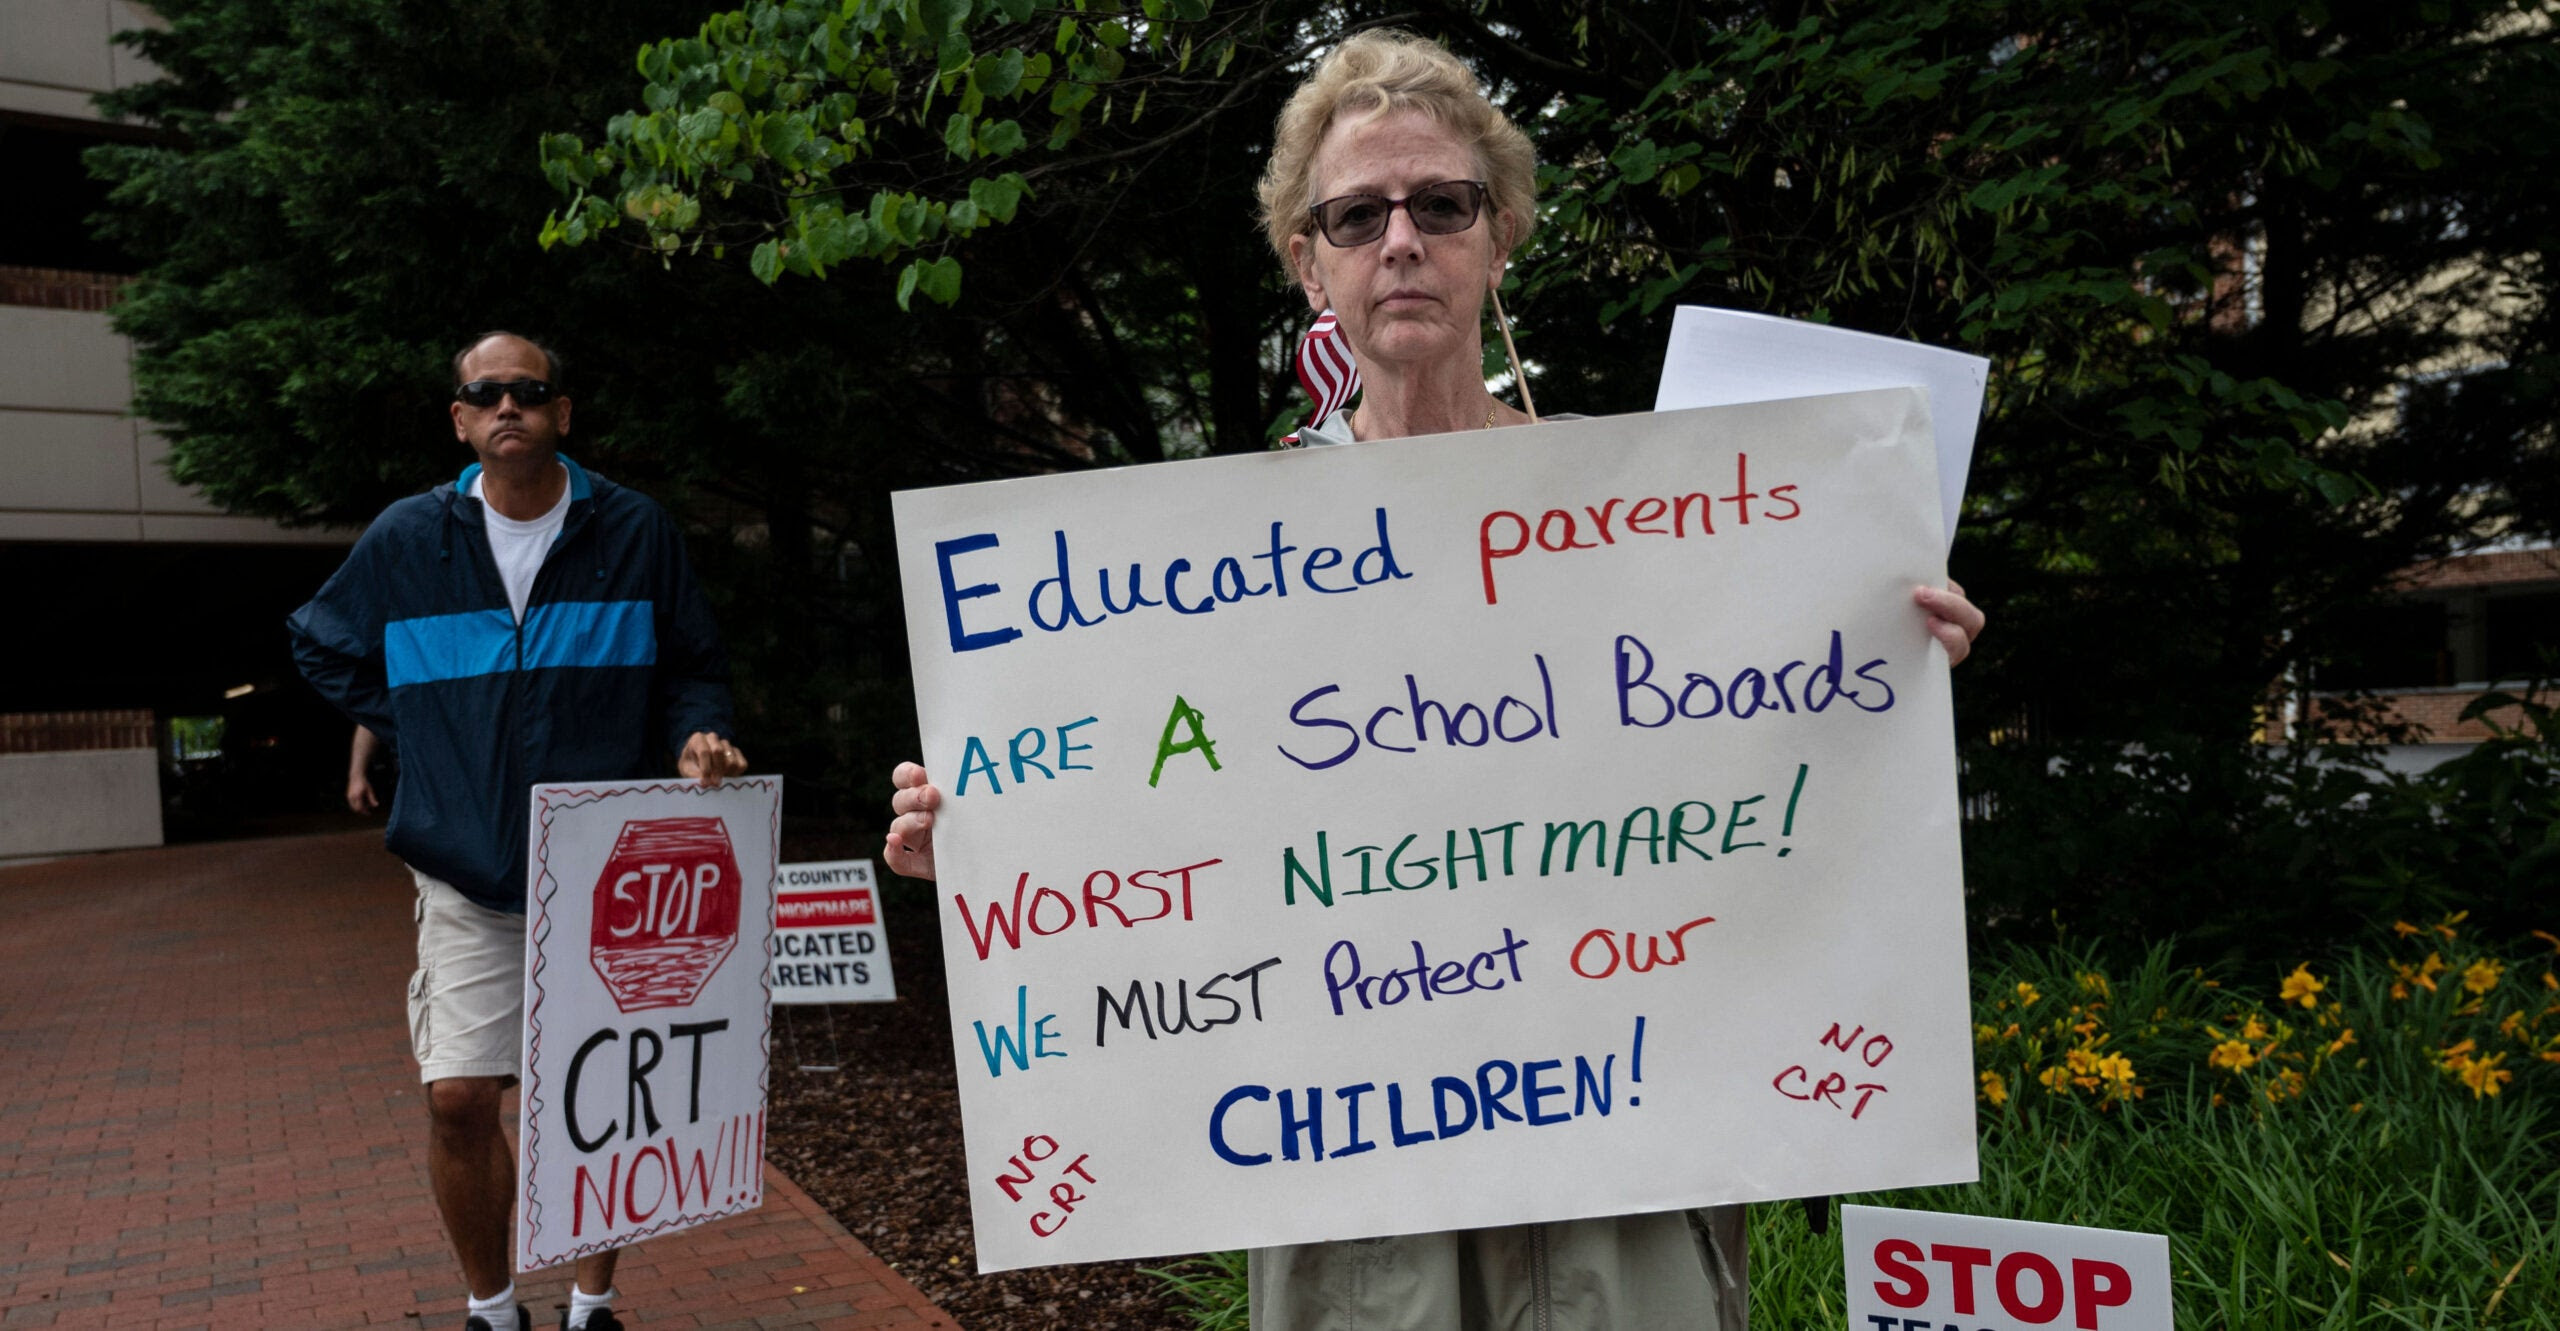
(645,1011)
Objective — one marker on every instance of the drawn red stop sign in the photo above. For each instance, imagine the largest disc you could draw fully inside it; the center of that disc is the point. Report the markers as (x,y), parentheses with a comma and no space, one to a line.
(666,911)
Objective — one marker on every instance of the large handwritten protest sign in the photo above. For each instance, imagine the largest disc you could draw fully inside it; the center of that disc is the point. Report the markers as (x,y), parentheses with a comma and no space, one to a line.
(1508,826)
(650,916)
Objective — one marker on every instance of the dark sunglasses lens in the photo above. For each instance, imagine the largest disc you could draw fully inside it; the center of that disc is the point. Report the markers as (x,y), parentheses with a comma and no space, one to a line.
(1354,219)
(487,393)
(1439,210)
(1442,209)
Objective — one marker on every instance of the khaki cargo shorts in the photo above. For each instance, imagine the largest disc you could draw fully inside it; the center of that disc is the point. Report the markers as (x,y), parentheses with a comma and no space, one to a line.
(466,1001)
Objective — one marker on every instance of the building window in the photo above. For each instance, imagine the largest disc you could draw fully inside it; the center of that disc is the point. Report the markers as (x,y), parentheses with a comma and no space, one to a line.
(2405,646)
(52,197)
(2524,636)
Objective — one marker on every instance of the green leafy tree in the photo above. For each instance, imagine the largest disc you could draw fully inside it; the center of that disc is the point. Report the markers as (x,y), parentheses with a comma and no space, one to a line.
(2206,249)
(344,192)
(803,135)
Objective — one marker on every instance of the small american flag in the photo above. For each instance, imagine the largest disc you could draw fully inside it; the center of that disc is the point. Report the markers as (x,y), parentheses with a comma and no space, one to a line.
(1326,371)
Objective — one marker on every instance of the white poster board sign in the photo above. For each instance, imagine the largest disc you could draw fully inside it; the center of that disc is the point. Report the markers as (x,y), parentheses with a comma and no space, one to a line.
(829,944)
(645,1029)
(1914,1269)
(1717,357)
(1442,832)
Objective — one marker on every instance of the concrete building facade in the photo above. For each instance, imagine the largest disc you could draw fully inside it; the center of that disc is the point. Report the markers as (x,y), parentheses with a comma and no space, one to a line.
(135,594)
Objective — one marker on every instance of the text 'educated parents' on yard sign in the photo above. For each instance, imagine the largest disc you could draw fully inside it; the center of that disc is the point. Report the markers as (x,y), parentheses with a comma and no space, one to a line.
(649,919)
(1444,832)
(829,943)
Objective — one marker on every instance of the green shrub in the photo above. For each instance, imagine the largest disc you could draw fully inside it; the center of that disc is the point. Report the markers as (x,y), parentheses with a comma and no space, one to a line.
(2245,852)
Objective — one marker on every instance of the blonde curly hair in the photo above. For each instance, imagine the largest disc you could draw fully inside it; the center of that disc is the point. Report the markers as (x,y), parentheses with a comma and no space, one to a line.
(1373,74)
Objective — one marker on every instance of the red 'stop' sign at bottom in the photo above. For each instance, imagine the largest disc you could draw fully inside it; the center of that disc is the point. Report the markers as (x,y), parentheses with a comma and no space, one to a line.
(1916,1270)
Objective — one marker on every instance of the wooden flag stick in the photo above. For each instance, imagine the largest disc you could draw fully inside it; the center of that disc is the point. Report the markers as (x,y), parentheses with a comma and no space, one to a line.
(1518,375)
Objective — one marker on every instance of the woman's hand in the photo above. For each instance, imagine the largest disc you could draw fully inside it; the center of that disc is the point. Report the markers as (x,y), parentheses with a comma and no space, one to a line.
(1954,621)
(909,849)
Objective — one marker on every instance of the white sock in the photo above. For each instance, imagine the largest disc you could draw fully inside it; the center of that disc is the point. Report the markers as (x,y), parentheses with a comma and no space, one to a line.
(498,1310)
(581,1303)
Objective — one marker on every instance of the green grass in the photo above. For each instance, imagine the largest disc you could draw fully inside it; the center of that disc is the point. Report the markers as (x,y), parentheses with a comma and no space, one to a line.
(1211,1288)
(2306,1177)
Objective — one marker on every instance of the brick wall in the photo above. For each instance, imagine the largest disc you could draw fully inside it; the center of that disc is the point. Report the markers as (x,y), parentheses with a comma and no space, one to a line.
(73,732)
(59,289)
(2495,569)
(2434,713)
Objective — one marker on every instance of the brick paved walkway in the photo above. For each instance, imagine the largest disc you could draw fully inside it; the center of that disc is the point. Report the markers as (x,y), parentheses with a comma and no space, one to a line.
(208,1118)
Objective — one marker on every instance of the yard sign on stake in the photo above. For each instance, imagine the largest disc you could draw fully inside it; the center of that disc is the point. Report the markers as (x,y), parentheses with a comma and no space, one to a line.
(1931,1271)
(1508,826)
(650,914)
(829,944)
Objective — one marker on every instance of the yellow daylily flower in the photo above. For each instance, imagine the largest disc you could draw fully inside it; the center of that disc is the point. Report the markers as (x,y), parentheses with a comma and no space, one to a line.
(2232,1054)
(2484,1076)
(2301,987)
(1995,1088)
(2482,976)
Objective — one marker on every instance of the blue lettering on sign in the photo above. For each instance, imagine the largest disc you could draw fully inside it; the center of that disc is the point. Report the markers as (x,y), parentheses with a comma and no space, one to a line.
(1302,1123)
(1055,603)
(962,640)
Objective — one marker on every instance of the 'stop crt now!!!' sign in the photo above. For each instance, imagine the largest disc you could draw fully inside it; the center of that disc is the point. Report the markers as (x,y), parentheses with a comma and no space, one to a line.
(666,911)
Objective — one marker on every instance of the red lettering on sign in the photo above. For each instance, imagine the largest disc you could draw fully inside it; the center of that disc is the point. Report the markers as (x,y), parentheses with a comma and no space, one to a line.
(825,910)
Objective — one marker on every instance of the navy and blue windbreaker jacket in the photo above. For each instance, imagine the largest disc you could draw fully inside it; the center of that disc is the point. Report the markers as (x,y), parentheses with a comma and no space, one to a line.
(616,664)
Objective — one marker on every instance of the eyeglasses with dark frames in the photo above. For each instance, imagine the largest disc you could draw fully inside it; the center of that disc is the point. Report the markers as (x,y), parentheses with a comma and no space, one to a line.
(487,393)
(1440,209)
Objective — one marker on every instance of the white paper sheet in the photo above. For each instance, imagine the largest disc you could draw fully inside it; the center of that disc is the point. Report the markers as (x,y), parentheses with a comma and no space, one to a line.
(1717,357)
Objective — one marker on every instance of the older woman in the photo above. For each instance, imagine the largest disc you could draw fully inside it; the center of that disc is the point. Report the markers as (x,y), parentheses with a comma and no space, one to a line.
(1395,196)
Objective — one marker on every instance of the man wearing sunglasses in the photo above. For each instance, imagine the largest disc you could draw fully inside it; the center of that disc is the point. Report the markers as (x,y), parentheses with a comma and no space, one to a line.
(527,622)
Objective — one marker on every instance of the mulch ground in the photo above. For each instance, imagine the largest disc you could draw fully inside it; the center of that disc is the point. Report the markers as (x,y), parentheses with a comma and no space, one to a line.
(878,1144)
